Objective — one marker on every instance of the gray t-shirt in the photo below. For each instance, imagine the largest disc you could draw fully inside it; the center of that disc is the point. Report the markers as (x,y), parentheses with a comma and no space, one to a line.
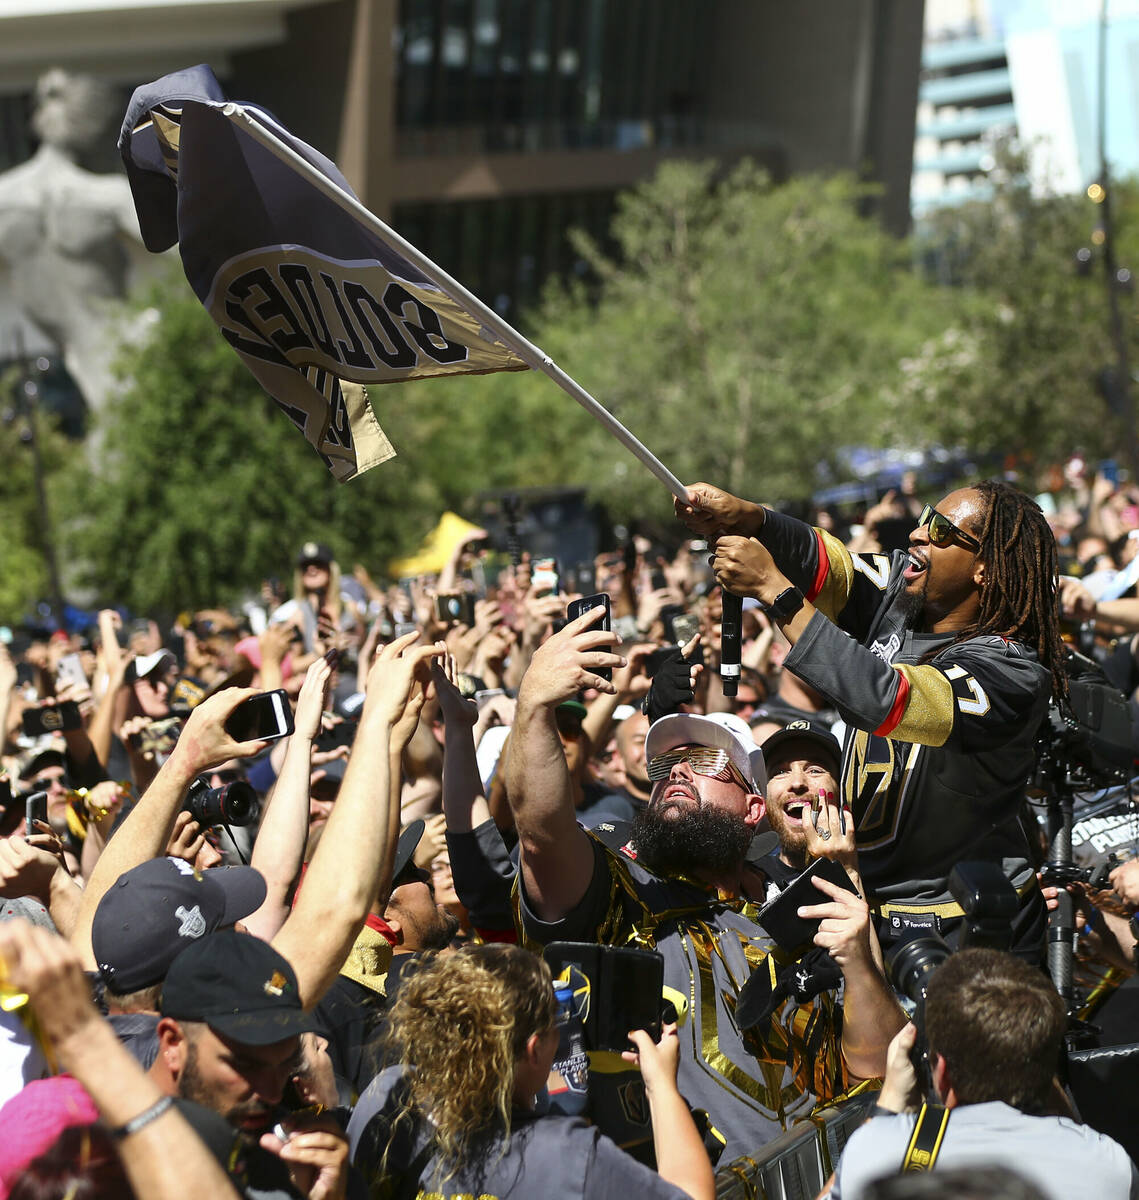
(1063,1159)
(545,1156)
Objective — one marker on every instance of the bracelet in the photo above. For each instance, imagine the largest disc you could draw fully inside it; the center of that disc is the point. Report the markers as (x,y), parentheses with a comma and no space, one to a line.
(879,1111)
(143,1119)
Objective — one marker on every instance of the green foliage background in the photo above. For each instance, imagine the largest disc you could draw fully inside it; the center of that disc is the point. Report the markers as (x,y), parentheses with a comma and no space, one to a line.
(746,332)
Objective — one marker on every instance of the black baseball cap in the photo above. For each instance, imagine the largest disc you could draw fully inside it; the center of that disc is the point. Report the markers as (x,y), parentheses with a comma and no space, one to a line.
(239,986)
(155,911)
(406,846)
(316,552)
(818,736)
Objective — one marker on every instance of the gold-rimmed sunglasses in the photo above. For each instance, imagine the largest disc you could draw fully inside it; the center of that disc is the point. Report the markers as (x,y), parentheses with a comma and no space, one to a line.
(942,531)
(704,760)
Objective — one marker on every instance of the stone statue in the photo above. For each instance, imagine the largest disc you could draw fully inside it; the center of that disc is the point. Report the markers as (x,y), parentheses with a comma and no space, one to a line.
(69,236)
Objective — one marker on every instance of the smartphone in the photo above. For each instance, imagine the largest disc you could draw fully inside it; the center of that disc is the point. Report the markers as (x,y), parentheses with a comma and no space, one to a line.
(455,608)
(780,917)
(35,809)
(52,718)
(403,628)
(70,671)
(683,628)
(263,718)
(544,575)
(159,737)
(624,986)
(575,610)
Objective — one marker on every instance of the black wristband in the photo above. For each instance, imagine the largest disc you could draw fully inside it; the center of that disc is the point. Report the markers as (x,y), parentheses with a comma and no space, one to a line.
(143,1119)
(879,1111)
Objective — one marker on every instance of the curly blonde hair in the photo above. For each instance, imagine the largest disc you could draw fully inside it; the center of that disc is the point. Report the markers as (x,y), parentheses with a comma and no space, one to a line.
(462,1021)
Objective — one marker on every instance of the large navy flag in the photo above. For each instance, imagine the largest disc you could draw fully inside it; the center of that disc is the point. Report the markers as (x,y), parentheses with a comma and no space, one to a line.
(317,304)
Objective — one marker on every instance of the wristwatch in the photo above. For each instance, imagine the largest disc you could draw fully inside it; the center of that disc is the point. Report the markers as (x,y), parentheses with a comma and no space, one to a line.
(786,604)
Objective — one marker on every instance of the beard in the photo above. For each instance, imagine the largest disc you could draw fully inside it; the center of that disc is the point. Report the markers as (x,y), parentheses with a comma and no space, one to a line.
(438,935)
(911,605)
(192,1085)
(696,839)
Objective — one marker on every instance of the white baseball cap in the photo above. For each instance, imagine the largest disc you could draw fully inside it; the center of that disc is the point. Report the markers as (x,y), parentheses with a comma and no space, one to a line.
(722,731)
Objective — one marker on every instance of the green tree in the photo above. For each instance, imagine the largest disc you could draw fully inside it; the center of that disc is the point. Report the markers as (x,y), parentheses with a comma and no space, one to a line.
(24,578)
(1018,371)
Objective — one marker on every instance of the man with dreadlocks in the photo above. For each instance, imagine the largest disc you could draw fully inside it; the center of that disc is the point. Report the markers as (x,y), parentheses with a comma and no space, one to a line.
(940,660)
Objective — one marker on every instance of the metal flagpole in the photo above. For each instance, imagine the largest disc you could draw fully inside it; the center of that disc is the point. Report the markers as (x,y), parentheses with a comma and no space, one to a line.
(507,334)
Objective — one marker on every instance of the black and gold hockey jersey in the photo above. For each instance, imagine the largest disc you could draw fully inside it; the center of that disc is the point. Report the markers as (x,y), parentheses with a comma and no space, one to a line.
(940,735)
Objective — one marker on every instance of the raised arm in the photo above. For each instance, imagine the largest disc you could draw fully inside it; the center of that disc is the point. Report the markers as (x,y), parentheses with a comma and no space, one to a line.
(353,862)
(556,855)
(464,804)
(44,967)
(146,831)
(680,1154)
(280,845)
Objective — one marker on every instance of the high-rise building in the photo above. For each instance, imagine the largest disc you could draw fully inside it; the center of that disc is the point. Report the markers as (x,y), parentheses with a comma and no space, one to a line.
(485,129)
(1028,69)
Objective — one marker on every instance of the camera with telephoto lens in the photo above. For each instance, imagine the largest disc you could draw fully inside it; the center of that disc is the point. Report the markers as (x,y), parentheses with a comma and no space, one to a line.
(233,803)
(990,905)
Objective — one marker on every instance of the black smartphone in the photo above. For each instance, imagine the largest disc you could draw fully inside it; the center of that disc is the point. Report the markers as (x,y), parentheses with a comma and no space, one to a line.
(575,610)
(780,917)
(625,989)
(52,718)
(35,809)
(263,718)
(455,608)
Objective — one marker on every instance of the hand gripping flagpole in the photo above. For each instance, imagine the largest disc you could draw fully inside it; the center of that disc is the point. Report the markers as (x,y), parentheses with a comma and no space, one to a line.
(530,354)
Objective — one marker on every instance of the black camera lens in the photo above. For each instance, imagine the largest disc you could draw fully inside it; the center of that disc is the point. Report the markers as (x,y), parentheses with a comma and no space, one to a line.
(911,964)
(231,804)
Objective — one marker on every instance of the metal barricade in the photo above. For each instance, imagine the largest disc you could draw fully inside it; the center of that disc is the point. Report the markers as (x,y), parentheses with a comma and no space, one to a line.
(797,1163)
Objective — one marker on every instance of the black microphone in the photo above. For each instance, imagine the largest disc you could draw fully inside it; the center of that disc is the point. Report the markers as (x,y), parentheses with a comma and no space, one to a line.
(731,636)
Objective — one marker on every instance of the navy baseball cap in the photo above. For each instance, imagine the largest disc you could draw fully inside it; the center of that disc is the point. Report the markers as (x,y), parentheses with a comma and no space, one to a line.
(154,911)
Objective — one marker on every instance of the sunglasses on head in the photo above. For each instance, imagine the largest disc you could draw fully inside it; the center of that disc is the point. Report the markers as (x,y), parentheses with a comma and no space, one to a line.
(942,531)
(704,760)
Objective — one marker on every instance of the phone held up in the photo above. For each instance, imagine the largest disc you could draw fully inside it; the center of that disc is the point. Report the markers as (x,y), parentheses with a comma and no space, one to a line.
(575,610)
(455,608)
(51,718)
(263,718)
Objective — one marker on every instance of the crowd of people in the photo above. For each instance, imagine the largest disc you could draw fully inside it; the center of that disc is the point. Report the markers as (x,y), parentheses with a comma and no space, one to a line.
(381,948)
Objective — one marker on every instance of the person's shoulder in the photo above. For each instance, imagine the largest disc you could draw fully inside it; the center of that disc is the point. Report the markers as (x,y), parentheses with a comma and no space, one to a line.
(998,659)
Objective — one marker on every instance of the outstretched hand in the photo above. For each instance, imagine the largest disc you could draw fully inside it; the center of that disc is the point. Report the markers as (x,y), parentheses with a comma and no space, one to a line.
(204,742)
(455,707)
(398,685)
(567,662)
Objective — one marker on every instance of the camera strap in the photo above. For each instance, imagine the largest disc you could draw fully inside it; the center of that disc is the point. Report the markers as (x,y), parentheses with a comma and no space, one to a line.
(925,1141)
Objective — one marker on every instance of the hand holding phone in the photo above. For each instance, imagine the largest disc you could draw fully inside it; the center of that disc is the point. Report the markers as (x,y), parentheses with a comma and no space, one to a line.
(51,718)
(577,608)
(263,718)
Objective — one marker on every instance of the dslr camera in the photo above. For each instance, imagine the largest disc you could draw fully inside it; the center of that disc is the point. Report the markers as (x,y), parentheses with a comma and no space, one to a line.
(233,803)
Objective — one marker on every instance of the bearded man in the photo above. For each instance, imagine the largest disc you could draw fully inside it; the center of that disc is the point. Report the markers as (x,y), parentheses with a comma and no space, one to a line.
(691,893)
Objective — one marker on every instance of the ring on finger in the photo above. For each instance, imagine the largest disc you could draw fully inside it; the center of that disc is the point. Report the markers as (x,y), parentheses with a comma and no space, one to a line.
(825,835)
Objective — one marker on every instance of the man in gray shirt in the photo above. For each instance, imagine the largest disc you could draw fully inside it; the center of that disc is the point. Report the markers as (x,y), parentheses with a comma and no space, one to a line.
(994,1027)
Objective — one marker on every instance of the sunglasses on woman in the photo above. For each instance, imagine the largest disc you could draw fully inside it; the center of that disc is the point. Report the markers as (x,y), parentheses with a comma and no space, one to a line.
(942,531)
(704,760)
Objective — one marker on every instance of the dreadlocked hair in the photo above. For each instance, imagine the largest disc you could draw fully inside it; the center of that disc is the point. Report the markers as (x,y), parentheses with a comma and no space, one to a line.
(1019,593)
(462,1022)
